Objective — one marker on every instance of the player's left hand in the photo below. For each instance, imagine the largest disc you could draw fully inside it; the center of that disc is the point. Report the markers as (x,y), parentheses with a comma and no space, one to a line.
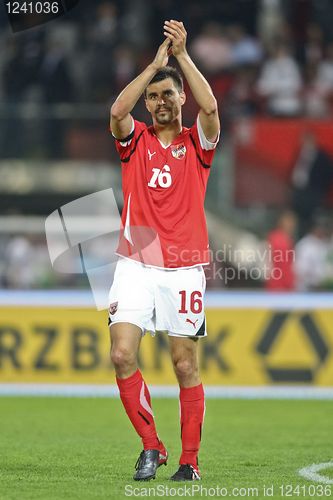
(175,31)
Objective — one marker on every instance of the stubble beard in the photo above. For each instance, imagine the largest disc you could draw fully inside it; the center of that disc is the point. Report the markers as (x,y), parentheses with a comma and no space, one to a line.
(164,119)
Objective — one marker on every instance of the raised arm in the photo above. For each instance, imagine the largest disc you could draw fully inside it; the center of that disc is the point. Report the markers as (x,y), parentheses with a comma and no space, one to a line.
(201,90)
(121,120)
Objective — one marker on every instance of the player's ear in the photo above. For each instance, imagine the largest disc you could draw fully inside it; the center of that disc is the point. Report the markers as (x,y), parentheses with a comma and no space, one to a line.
(182,98)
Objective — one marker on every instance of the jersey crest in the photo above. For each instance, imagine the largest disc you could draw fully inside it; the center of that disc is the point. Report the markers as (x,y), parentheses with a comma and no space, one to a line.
(178,151)
(113,308)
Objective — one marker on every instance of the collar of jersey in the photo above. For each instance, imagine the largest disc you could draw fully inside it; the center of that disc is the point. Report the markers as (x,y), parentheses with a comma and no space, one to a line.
(177,139)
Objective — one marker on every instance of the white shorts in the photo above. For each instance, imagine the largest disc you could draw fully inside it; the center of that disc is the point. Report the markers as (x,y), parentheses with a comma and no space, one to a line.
(159,299)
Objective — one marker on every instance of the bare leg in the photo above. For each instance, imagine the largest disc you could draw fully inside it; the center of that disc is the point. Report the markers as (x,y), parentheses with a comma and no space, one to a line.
(125,343)
(184,355)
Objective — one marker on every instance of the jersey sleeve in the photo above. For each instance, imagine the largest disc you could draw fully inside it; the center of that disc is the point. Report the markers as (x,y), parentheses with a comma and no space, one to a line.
(127,146)
(205,149)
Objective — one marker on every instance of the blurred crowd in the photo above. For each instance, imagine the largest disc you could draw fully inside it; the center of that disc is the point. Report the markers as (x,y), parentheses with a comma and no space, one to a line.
(285,261)
(25,264)
(272,56)
(262,57)
(305,264)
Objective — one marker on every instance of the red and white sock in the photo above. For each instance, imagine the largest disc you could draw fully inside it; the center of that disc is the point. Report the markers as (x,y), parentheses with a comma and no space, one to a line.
(135,397)
(192,411)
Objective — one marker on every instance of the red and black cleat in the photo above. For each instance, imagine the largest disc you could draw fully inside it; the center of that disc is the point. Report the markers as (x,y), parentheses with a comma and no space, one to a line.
(148,463)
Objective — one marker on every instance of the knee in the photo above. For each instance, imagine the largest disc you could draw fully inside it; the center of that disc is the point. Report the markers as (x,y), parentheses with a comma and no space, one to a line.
(122,357)
(185,368)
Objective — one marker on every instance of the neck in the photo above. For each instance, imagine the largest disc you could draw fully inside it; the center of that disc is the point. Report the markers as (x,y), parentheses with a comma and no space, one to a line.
(167,133)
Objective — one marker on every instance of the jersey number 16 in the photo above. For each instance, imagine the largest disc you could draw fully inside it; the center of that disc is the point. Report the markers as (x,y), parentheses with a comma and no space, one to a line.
(160,177)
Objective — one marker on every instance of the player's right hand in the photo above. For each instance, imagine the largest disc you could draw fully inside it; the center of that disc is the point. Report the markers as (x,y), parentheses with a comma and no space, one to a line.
(162,55)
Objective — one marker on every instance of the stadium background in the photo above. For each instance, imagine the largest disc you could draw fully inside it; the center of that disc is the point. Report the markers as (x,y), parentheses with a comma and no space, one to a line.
(57,82)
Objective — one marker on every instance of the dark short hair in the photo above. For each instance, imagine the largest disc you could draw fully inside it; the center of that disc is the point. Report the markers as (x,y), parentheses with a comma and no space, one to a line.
(167,72)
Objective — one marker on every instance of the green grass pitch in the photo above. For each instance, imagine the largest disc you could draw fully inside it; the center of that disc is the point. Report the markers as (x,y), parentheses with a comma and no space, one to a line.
(85,448)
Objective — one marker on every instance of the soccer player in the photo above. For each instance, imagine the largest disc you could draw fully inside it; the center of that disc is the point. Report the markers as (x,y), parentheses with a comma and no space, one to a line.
(165,168)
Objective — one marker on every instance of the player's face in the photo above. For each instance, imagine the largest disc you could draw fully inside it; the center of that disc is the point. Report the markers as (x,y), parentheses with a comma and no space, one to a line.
(164,101)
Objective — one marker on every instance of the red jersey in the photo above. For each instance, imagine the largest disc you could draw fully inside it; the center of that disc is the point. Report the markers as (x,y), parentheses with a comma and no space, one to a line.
(164,188)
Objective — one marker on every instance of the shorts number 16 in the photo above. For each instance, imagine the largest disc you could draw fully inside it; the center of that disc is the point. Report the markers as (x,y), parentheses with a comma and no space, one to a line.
(195,302)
